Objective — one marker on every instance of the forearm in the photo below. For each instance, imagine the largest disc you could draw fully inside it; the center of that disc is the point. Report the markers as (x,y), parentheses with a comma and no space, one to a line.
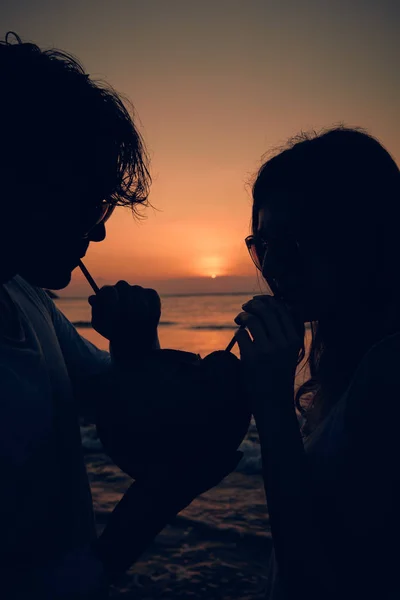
(134,523)
(97,391)
(299,550)
(125,350)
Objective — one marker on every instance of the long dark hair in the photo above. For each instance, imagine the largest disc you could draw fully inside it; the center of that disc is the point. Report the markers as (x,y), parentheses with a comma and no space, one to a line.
(346,191)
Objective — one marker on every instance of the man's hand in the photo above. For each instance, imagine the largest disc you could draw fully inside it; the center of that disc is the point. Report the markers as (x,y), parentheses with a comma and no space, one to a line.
(128,316)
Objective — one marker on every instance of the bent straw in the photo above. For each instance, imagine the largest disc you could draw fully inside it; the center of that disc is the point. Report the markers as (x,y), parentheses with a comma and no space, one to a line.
(96,288)
(89,278)
(233,340)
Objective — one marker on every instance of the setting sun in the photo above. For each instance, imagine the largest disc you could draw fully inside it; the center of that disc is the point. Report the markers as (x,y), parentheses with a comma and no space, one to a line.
(212,266)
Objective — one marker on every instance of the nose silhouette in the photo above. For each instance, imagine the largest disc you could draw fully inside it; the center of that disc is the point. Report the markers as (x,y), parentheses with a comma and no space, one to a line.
(98,233)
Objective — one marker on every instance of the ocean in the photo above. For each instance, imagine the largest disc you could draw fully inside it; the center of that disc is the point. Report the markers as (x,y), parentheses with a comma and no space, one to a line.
(198,324)
(219,546)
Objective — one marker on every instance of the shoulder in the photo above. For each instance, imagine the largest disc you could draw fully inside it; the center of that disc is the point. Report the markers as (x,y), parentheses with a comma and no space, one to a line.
(380,365)
(373,396)
(21,289)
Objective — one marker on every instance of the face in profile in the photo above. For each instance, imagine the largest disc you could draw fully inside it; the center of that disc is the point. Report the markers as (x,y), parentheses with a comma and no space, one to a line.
(292,262)
(325,219)
(55,231)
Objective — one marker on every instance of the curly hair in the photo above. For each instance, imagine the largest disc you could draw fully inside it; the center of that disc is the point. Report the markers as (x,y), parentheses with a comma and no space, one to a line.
(50,108)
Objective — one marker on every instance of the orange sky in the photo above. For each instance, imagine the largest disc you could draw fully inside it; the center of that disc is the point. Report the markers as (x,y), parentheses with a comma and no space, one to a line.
(216,84)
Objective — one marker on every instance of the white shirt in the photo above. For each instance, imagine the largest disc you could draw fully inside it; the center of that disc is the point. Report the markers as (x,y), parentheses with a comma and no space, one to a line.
(46,377)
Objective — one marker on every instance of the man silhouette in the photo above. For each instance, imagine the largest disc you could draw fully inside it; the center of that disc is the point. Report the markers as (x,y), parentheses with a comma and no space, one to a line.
(69,153)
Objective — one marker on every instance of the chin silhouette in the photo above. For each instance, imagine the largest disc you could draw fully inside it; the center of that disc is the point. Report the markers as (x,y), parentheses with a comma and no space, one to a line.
(48,280)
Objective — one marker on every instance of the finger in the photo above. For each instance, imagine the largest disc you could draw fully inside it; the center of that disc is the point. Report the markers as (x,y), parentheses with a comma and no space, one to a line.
(148,301)
(293,328)
(122,285)
(246,346)
(107,295)
(264,310)
(257,330)
(105,304)
(140,298)
(146,298)
(134,309)
(130,297)
(290,326)
(154,300)
(105,310)
(262,297)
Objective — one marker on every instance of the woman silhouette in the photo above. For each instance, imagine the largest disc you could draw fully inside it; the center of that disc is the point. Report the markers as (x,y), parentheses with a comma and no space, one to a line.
(325,237)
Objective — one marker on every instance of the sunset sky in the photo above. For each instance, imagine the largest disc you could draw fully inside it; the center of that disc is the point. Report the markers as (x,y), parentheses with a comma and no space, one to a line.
(215,85)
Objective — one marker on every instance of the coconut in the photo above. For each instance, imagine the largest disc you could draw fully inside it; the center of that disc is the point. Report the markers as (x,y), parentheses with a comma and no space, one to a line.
(171,406)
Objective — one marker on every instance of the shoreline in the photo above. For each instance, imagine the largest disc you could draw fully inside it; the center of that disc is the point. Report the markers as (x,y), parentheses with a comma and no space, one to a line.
(218,548)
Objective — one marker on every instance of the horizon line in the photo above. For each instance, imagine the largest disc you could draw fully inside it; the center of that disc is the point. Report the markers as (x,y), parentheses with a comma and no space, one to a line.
(169,295)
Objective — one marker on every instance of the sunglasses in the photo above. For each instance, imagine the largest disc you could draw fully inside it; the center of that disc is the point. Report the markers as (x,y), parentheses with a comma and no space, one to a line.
(287,249)
(257,248)
(98,214)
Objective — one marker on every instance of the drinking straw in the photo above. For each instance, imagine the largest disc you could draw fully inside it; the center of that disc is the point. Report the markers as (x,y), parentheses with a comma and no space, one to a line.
(96,288)
(88,276)
(233,340)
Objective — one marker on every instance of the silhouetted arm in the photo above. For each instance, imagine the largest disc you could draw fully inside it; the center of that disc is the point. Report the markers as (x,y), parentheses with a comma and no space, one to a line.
(34,563)
(299,549)
(365,509)
(133,525)
(88,366)
(147,507)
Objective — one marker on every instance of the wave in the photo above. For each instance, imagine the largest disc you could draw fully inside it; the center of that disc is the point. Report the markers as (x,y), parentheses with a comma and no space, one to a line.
(223,533)
(212,326)
(251,463)
(88,325)
(90,441)
(203,327)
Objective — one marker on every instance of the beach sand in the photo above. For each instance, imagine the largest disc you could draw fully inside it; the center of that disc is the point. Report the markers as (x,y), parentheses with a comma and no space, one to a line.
(218,547)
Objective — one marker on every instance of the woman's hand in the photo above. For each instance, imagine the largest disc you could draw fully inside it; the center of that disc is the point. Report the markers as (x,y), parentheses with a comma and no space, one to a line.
(128,316)
(270,353)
